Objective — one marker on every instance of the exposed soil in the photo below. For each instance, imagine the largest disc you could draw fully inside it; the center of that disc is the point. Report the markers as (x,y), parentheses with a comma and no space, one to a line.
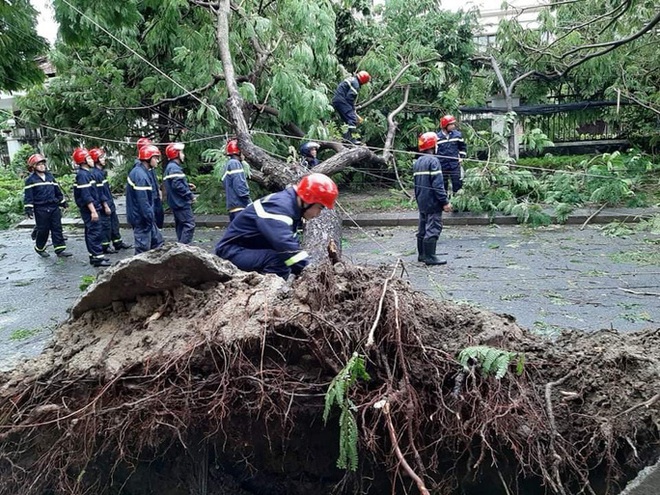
(220,389)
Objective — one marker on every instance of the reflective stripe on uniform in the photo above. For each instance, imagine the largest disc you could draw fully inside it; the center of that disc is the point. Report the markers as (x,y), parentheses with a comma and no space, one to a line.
(440,141)
(175,176)
(296,258)
(348,81)
(28,206)
(231,172)
(138,188)
(83,186)
(234,210)
(428,172)
(40,184)
(261,213)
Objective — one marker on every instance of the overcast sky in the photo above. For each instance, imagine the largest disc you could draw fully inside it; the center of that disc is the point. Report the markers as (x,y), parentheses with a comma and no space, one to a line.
(48,28)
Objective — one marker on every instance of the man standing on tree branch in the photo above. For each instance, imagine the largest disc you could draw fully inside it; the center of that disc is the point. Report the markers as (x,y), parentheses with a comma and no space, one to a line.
(344,102)
(262,238)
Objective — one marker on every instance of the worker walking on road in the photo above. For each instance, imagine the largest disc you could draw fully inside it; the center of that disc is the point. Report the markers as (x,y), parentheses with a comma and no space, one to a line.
(112,240)
(42,200)
(262,238)
(179,193)
(237,190)
(159,211)
(140,200)
(431,199)
(343,102)
(86,195)
(451,152)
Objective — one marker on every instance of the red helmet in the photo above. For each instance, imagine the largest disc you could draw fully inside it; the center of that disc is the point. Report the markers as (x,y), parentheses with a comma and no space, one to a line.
(172,150)
(96,153)
(80,155)
(363,77)
(446,120)
(427,141)
(35,159)
(232,148)
(147,152)
(143,141)
(318,188)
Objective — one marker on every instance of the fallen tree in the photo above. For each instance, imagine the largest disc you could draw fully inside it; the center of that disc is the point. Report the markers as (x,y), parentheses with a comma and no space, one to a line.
(216,382)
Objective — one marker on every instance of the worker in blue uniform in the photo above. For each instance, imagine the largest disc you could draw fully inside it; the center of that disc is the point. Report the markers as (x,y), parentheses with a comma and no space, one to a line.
(159,211)
(343,102)
(105,212)
(86,195)
(431,199)
(237,191)
(112,240)
(140,197)
(42,200)
(308,153)
(263,237)
(179,193)
(451,152)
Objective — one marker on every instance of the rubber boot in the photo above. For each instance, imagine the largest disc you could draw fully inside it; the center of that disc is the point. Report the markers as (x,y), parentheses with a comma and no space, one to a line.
(420,249)
(98,262)
(429,253)
(122,245)
(64,254)
(349,137)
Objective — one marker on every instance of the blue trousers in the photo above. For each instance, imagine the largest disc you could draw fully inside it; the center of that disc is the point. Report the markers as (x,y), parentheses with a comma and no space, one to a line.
(452,171)
(346,112)
(93,235)
(48,221)
(184,224)
(254,260)
(147,237)
(430,226)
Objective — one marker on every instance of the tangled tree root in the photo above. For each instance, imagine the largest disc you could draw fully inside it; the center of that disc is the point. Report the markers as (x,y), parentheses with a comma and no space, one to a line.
(220,389)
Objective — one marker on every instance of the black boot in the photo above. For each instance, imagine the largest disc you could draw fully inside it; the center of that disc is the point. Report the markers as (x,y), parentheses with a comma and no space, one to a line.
(97,262)
(420,249)
(122,245)
(108,250)
(352,138)
(429,253)
(63,254)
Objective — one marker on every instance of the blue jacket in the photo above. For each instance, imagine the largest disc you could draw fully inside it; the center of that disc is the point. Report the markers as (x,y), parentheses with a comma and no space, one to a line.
(42,192)
(179,195)
(101,182)
(236,186)
(430,191)
(309,162)
(270,223)
(347,92)
(85,190)
(451,147)
(140,194)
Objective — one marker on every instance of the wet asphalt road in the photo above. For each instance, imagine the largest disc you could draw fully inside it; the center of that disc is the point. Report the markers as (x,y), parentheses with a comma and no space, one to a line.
(550,278)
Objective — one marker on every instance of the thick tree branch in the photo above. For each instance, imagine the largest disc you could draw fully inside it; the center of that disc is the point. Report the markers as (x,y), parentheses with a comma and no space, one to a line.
(392,127)
(393,82)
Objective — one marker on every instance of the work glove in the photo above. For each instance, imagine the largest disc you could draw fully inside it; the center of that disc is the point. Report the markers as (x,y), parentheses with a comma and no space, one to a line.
(29,211)
(360,119)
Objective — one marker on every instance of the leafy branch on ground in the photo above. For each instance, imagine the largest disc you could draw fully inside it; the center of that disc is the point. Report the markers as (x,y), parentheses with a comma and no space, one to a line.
(492,361)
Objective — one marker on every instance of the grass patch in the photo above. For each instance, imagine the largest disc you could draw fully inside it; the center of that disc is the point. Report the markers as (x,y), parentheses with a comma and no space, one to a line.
(637,257)
(23,333)
(636,317)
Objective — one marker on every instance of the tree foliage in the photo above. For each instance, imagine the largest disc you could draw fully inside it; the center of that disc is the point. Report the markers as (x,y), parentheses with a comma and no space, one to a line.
(20,46)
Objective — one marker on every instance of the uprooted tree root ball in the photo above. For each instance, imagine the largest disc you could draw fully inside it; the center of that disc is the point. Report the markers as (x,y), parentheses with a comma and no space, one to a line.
(221,389)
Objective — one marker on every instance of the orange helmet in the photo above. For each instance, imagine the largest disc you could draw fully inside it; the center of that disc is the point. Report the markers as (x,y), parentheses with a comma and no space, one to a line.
(147,152)
(172,150)
(363,77)
(143,141)
(80,155)
(427,141)
(318,188)
(96,153)
(35,159)
(446,120)
(232,148)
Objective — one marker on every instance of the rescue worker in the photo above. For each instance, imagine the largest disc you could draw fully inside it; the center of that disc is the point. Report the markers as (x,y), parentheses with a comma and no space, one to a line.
(308,153)
(42,199)
(179,193)
(158,200)
(237,190)
(343,102)
(140,200)
(263,237)
(431,199)
(451,152)
(112,240)
(104,212)
(86,195)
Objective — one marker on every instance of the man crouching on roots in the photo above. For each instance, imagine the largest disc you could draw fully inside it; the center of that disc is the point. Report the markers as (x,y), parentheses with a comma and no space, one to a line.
(262,238)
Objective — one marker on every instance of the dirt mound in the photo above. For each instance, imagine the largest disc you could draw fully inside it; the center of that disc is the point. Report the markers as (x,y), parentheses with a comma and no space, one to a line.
(221,388)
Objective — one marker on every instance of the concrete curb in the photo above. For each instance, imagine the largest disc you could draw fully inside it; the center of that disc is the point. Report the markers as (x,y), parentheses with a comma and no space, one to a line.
(647,482)
(410,219)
